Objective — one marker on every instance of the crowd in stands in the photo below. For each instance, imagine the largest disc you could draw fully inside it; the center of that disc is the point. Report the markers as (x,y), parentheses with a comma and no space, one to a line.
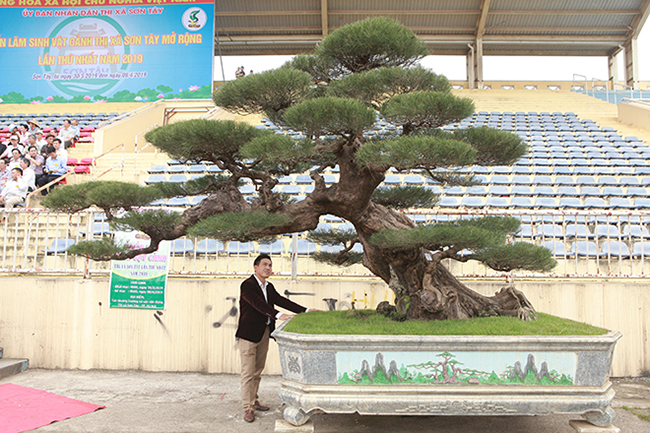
(28,160)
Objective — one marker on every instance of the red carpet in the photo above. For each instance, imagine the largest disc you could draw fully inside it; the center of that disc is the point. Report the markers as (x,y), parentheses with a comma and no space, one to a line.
(23,409)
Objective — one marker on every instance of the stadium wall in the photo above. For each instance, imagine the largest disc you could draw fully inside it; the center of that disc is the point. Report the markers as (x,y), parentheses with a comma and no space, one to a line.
(65,322)
(634,114)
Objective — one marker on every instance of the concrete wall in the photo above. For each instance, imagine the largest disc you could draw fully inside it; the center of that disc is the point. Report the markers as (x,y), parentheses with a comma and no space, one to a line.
(634,114)
(65,322)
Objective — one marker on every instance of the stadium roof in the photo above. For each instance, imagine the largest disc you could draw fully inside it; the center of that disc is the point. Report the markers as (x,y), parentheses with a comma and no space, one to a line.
(505,27)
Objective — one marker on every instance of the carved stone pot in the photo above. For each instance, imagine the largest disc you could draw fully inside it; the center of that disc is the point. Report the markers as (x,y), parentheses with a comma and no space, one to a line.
(446,375)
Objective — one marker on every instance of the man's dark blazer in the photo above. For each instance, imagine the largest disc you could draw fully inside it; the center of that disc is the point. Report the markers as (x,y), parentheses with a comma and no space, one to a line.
(254,311)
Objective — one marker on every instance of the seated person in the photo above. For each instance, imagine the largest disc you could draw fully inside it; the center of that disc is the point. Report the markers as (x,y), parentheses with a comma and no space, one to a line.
(29,177)
(15,159)
(15,190)
(67,134)
(60,150)
(13,144)
(5,173)
(36,161)
(55,167)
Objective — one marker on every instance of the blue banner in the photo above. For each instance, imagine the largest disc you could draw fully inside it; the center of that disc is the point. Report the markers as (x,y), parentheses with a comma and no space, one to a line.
(137,50)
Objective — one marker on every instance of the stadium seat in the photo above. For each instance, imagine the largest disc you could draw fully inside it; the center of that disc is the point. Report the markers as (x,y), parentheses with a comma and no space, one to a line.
(157,169)
(236,247)
(276,247)
(614,249)
(177,178)
(175,168)
(453,202)
(156,178)
(59,246)
(640,249)
(550,231)
(392,179)
(499,190)
(304,247)
(209,246)
(521,190)
(557,248)
(497,202)
(178,201)
(595,203)
(472,202)
(521,202)
(583,249)
(579,231)
(545,202)
(304,178)
(250,189)
(613,191)
(620,203)
(571,203)
(567,191)
(635,231)
(182,246)
(607,231)
(453,190)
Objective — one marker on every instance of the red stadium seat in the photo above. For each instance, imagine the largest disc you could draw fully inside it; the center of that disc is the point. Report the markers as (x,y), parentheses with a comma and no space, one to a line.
(87,161)
(72,161)
(82,169)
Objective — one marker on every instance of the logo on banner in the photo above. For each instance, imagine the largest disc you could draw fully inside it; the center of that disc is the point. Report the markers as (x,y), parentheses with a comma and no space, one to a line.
(194,19)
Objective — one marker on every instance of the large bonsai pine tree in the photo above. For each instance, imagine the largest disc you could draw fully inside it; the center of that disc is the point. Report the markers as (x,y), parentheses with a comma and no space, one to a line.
(361,74)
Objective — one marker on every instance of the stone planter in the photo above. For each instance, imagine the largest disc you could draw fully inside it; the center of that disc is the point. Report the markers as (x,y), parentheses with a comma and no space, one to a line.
(446,375)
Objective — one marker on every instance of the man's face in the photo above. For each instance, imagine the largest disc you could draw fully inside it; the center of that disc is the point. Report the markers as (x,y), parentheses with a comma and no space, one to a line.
(56,144)
(66,124)
(33,152)
(49,139)
(14,174)
(23,165)
(15,154)
(14,142)
(3,165)
(264,269)
(75,122)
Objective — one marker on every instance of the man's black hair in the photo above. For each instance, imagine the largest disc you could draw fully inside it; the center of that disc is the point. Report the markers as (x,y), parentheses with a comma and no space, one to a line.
(57,139)
(50,149)
(259,258)
(26,161)
(19,170)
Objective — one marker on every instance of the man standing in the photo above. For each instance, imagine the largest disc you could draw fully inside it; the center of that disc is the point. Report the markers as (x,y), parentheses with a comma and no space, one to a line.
(14,191)
(257,316)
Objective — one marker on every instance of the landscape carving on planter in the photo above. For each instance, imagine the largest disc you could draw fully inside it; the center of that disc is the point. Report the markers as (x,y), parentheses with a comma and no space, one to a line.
(462,367)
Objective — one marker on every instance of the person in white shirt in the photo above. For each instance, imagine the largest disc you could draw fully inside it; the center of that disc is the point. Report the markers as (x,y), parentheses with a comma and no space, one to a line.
(66,134)
(5,173)
(13,144)
(15,190)
(60,150)
(15,159)
(40,141)
(76,128)
(29,177)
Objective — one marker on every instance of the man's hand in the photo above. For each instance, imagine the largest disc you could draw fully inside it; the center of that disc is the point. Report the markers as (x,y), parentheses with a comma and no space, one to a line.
(287,316)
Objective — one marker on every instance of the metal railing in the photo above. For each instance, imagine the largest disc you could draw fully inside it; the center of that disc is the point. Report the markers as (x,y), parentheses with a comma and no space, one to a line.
(609,244)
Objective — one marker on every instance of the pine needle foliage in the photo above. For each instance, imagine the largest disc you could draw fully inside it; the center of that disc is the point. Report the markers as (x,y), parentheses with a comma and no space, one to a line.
(269,92)
(328,115)
(203,139)
(411,152)
(280,154)
(148,221)
(106,195)
(241,226)
(519,255)
(370,44)
(101,249)
(404,197)
(494,147)
(376,86)
(426,109)
(473,234)
(319,68)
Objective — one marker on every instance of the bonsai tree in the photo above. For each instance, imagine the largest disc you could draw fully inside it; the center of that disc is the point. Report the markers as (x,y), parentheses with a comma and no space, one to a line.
(332,100)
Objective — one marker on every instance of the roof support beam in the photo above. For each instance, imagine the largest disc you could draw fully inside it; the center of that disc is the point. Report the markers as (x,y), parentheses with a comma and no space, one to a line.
(480,24)
(631,64)
(324,17)
(640,19)
(612,68)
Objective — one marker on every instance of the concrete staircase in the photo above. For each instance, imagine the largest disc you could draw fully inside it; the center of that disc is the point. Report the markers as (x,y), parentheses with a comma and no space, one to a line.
(9,367)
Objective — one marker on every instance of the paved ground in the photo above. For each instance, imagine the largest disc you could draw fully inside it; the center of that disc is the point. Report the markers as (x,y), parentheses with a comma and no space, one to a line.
(191,402)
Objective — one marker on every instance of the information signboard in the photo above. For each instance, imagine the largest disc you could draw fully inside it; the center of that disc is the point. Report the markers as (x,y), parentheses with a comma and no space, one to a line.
(139,282)
(105,50)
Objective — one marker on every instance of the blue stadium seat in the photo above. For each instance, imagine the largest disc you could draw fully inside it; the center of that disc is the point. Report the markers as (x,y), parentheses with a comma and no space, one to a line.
(477,190)
(583,249)
(620,203)
(392,179)
(276,247)
(607,231)
(413,179)
(182,246)
(585,180)
(286,189)
(614,249)
(499,180)
(236,247)
(521,180)
(545,202)
(175,169)
(197,168)
(521,202)
(591,191)
(521,190)
(250,189)
(157,169)
(499,190)
(346,227)
(305,247)
(525,231)
(303,178)
(156,178)
(629,181)
(178,201)
(544,191)
(283,180)
(497,202)
(608,181)
(177,178)
(640,249)
(579,231)
(595,203)
(635,231)
(571,203)
(613,191)
(473,202)
(542,180)
(570,191)
(209,246)
(453,190)
(550,231)
(448,202)
(557,248)
(214,169)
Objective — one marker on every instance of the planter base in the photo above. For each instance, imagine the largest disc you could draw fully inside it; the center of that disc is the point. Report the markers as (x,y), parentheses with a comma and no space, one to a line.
(303,400)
